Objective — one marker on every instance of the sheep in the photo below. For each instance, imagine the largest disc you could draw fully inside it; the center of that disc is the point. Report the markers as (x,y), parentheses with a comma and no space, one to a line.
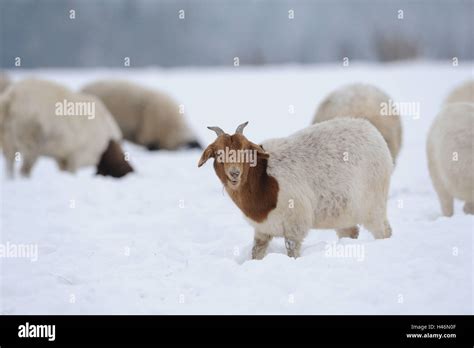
(146,117)
(450,156)
(462,93)
(335,174)
(4,82)
(42,118)
(367,101)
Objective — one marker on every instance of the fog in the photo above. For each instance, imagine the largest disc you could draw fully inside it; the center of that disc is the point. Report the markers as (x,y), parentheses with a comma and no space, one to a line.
(111,33)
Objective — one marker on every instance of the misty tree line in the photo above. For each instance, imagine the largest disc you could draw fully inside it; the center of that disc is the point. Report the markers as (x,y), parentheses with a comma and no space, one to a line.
(76,33)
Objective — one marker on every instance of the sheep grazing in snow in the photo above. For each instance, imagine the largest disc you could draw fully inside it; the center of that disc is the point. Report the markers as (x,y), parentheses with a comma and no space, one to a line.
(463,93)
(146,117)
(4,82)
(450,156)
(41,118)
(369,102)
(334,174)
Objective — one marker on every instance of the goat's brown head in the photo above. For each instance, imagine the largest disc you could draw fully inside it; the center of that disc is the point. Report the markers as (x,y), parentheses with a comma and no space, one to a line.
(112,162)
(234,156)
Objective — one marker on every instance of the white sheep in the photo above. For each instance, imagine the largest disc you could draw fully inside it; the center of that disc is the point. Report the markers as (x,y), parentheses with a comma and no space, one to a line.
(4,82)
(367,101)
(462,93)
(335,174)
(146,117)
(450,156)
(42,118)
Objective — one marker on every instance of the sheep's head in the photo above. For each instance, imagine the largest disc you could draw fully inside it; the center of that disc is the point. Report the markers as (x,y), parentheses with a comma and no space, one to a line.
(112,162)
(234,156)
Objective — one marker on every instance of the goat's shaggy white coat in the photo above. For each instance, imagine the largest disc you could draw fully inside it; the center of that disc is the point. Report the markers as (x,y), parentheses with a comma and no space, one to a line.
(364,101)
(31,127)
(450,152)
(335,174)
(146,117)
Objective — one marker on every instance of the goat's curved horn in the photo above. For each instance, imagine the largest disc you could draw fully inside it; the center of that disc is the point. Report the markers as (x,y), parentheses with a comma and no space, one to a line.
(218,130)
(240,128)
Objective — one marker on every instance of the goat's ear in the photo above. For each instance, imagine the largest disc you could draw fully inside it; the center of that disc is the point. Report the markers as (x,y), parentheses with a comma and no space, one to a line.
(261,153)
(208,153)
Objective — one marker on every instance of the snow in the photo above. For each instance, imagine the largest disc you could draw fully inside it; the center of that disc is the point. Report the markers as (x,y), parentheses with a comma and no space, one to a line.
(167,240)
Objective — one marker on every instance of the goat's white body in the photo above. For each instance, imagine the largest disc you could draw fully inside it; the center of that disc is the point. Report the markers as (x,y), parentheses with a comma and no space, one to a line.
(31,127)
(318,188)
(450,155)
(145,116)
(364,101)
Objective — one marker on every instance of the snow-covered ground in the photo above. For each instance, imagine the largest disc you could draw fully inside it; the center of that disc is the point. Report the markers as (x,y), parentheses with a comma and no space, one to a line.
(168,240)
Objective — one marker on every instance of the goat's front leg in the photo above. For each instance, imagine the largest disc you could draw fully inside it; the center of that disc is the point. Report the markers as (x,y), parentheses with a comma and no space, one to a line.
(294,238)
(260,245)
(293,247)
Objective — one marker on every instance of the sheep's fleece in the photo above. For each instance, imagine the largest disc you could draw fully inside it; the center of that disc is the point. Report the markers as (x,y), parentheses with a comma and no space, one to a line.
(463,93)
(335,174)
(451,156)
(4,82)
(31,126)
(145,116)
(363,100)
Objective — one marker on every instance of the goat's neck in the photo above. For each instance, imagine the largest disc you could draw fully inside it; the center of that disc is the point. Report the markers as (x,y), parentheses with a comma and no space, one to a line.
(258,195)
